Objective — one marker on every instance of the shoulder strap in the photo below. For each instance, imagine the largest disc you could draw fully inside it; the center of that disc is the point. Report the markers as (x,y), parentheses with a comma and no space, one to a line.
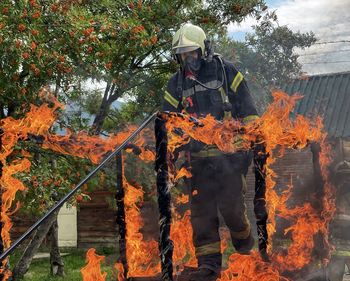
(224,92)
(179,85)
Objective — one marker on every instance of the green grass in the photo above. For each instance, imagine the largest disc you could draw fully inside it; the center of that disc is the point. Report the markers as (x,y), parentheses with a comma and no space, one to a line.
(39,269)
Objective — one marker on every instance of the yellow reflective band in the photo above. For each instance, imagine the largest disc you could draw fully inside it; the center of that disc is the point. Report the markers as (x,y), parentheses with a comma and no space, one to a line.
(208,249)
(227,115)
(225,99)
(341,253)
(250,118)
(208,151)
(170,99)
(237,81)
(223,95)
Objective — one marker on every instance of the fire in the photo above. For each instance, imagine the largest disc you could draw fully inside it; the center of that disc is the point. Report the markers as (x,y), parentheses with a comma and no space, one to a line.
(278,132)
(250,268)
(37,122)
(94,147)
(181,234)
(274,128)
(183,172)
(92,271)
(328,200)
(10,185)
(142,256)
(120,269)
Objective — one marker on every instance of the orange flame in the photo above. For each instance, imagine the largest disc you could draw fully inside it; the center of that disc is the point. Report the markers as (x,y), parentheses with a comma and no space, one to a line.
(120,269)
(32,123)
(37,122)
(94,147)
(250,268)
(92,271)
(141,255)
(274,128)
(183,172)
(278,133)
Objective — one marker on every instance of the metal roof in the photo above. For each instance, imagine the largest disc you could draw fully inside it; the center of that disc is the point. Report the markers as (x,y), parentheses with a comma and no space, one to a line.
(328,96)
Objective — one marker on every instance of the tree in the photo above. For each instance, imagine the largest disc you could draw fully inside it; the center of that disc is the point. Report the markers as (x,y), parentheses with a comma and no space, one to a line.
(268,57)
(142,59)
(60,44)
(119,43)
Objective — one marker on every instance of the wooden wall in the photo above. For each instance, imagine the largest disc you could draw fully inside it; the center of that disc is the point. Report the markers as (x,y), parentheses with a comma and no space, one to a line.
(97,221)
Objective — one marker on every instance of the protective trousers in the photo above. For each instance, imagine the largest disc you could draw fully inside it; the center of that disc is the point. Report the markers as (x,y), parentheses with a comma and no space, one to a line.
(218,185)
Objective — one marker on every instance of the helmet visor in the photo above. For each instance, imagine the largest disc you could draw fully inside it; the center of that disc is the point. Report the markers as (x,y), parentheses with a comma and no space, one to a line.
(181,50)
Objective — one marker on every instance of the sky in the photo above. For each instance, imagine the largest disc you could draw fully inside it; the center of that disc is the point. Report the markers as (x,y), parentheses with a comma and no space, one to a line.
(329,20)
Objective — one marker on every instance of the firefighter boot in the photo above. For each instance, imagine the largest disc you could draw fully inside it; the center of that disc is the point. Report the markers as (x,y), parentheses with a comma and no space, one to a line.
(204,274)
(209,268)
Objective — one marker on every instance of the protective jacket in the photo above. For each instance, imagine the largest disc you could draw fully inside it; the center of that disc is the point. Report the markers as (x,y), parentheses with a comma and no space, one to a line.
(184,94)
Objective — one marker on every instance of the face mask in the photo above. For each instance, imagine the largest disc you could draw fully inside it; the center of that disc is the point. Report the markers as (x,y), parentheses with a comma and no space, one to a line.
(192,65)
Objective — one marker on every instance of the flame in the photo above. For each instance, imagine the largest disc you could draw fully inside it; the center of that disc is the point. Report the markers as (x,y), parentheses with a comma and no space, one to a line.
(274,128)
(250,268)
(120,269)
(142,256)
(92,271)
(183,172)
(37,122)
(278,132)
(182,199)
(328,200)
(181,234)
(14,130)
(10,185)
(95,147)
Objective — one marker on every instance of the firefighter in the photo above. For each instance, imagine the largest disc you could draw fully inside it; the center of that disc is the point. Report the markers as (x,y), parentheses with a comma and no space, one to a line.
(208,84)
(340,226)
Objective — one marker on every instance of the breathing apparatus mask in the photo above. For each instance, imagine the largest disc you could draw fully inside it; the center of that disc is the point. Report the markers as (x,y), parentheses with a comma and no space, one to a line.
(191,62)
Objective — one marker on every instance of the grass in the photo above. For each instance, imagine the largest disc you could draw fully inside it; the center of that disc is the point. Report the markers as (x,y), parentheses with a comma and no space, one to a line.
(39,269)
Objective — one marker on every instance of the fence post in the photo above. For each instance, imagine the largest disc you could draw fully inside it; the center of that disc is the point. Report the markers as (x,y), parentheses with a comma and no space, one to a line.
(161,166)
(119,197)
(260,157)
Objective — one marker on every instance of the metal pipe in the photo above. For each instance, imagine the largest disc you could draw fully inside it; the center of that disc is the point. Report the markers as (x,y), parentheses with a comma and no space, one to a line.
(120,216)
(166,245)
(75,189)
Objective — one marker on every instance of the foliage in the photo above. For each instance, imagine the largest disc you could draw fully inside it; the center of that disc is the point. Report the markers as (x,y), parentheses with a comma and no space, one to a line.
(50,178)
(62,44)
(268,57)
(121,43)
(73,262)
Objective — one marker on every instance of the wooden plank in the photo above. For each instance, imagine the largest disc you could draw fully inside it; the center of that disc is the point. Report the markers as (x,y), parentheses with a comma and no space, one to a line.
(94,205)
(97,239)
(93,234)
